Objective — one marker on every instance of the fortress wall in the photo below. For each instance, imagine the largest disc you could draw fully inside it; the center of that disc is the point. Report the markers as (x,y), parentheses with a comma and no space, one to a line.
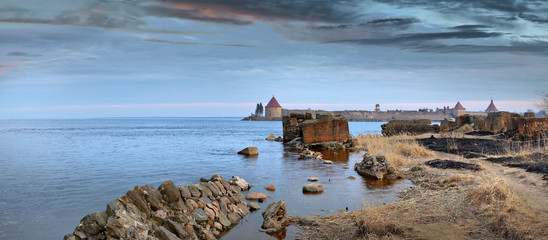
(373,116)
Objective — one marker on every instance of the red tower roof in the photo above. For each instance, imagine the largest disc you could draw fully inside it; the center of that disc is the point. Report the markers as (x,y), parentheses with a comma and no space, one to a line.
(459,106)
(491,107)
(273,103)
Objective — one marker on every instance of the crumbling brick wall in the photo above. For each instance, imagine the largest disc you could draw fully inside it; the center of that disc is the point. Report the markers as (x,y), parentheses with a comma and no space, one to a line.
(325,128)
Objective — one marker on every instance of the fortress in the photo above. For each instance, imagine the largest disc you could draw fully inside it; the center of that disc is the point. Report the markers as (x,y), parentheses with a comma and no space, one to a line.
(275,112)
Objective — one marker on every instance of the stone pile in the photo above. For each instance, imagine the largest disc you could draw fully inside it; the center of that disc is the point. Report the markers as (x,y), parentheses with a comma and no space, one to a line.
(199,211)
(376,167)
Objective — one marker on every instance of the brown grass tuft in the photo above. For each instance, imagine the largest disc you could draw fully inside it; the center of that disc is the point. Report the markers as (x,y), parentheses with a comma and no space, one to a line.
(374,226)
(397,149)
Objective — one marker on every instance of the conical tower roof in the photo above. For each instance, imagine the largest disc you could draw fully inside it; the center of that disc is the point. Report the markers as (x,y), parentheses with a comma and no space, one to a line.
(491,107)
(273,103)
(459,106)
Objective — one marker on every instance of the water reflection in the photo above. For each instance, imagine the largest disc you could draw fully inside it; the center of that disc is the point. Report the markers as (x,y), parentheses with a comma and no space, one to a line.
(340,192)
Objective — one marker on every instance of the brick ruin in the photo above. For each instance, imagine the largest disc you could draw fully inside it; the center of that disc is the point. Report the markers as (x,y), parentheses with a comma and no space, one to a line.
(511,124)
(325,127)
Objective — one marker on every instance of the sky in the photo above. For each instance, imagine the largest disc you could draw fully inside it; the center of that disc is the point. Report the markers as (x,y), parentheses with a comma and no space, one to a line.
(184,58)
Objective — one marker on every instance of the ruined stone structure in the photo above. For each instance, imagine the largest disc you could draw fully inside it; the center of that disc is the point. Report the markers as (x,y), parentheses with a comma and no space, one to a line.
(410,127)
(273,109)
(326,127)
(511,124)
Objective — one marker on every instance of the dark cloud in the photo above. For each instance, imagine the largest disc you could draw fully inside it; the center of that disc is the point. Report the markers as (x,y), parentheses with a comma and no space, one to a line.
(387,22)
(195,43)
(420,37)
(459,5)
(533,18)
(468,27)
(22,54)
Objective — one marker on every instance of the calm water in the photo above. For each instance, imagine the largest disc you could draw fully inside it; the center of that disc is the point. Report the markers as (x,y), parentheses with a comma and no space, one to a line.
(54,172)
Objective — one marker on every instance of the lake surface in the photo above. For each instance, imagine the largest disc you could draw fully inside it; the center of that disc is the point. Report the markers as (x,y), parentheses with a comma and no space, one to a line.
(54,172)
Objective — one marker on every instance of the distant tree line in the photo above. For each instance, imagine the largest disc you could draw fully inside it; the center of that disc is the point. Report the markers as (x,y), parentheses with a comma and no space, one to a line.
(259,110)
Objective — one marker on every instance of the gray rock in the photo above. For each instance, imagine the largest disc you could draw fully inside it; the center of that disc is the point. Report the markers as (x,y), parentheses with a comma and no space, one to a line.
(163,234)
(312,188)
(241,197)
(112,206)
(204,189)
(176,228)
(200,215)
(223,219)
(375,167)
(194,191)
(253,206)
(185,192)
(239,182)
(213,189)
(93,223)
(274,216)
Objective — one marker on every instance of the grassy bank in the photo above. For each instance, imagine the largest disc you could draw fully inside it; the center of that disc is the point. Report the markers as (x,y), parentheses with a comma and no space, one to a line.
(444,203)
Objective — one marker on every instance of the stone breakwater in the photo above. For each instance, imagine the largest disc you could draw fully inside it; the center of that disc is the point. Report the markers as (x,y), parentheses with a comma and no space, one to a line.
(200,211)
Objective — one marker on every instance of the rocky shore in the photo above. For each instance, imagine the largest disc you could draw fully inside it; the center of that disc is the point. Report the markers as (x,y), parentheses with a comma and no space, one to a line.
(199,211)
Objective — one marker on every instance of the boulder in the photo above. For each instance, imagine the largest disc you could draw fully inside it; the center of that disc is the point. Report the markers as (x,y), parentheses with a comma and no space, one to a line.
(249,151)
(271,137)
(153,197)
(270,187)
(327,162)
(93,224)
(312,179)
(351,177)
(240,183)
(312,188)
(169,192)
(376,167)
(256,196)
(274,216)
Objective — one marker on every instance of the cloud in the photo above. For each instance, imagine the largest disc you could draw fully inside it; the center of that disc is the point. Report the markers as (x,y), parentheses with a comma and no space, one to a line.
(509,26)
(10,66)
(22,54)
(195,43)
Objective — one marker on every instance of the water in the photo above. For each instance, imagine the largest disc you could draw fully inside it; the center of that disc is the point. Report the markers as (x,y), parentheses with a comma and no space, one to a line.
(54,172)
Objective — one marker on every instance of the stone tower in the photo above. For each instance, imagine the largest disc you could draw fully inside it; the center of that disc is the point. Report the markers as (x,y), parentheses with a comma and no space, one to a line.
(458,110)
(273,109)
(491,107)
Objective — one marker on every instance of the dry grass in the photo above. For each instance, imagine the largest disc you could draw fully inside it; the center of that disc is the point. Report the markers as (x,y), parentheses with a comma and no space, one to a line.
(398,150)
(503,210)
(373,225)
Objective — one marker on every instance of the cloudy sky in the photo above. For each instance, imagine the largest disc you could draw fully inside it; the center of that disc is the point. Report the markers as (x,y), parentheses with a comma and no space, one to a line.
(134,58)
